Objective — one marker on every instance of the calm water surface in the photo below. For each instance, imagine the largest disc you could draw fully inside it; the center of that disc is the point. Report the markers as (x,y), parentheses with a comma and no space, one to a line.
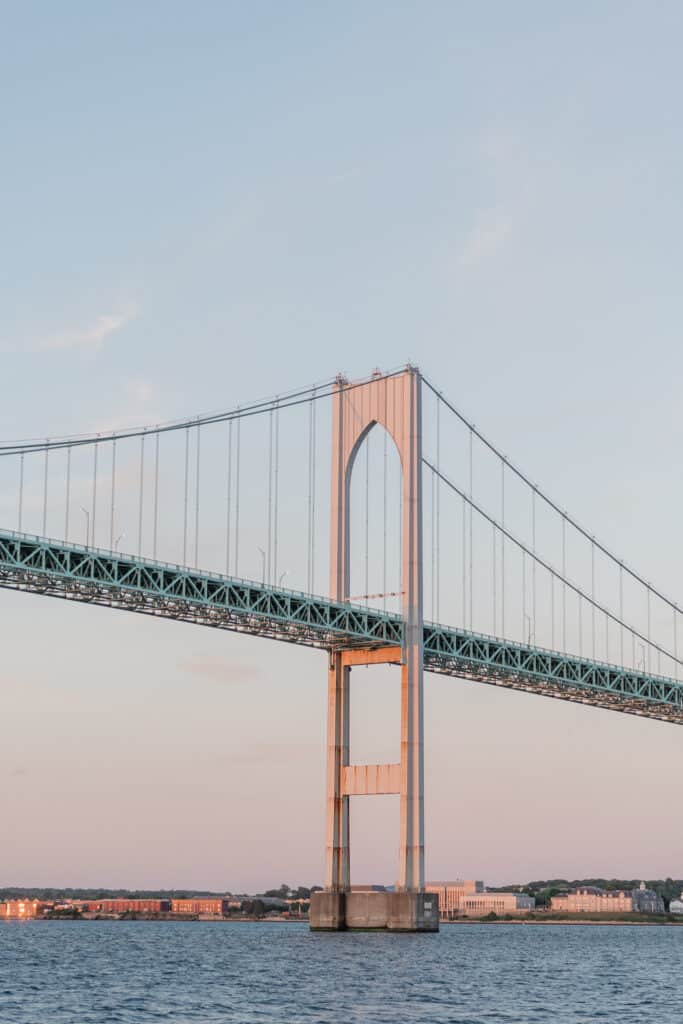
(101,972)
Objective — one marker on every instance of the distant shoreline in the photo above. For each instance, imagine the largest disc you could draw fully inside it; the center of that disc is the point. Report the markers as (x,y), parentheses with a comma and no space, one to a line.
(608,923)
(533,922)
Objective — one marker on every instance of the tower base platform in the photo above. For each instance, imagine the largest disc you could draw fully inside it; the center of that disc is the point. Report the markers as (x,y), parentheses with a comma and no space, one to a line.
(393,911)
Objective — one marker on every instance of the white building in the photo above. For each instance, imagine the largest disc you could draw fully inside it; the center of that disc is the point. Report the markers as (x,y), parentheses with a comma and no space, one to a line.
(676,906)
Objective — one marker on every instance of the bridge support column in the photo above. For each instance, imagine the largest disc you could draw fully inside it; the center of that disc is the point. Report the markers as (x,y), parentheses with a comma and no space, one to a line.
(395,403)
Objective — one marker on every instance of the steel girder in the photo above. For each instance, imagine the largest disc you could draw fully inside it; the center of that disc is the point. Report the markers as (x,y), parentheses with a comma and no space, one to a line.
(42,566)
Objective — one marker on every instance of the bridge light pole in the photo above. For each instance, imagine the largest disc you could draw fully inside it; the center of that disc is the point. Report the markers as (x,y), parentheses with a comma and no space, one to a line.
(263,566)
(87,525)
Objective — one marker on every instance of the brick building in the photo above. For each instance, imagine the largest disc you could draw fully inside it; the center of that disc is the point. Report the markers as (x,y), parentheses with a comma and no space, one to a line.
(21,910)
(128,906)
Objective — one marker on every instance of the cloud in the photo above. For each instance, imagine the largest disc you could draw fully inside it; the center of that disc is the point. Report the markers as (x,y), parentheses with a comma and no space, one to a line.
(18,773)
(220,670)
(487,238)
(90,338)
(139,390)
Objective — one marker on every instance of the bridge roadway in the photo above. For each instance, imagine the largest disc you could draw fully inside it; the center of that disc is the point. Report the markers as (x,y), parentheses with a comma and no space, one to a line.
(57,569)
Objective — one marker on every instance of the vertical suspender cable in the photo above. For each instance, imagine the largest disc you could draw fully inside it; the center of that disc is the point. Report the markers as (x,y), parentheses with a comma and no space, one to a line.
(384,504)
(196,499)
(276,502)
(502,549)
(270,498)
(21,490)
(524,614)
(564,583)
(187,471)
(593,594)
(47,453)
(493,566)
(621,612)
(113,495)
(309,588)
(94,492)
(313,481)
(676,643)
(228,502)
(155,527)
(432,509)
(367,515)
(552,610)
(68,493)
(142,492)
(237,494)
(464,563)
(533,561)
(438,511)
(471,528)
(606,637)
(649,622)
(580,629)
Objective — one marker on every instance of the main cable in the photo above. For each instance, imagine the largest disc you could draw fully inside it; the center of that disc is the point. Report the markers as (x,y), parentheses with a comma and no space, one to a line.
(553,505)
(545,565)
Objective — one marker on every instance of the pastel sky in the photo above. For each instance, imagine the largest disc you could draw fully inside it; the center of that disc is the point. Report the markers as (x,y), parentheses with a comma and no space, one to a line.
(203,204)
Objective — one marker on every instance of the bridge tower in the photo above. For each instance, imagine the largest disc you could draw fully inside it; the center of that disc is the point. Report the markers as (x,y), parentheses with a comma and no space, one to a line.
(395,403)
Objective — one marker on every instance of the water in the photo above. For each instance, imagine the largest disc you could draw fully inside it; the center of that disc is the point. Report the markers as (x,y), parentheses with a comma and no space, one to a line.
(101,972)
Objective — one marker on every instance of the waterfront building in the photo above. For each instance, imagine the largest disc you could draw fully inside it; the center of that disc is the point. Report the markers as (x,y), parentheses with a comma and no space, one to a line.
(21,910)
(676,906)
(202,905)
(646,901)
(591,899)
(450,895)
(128,906)
(469,898)
(479,904)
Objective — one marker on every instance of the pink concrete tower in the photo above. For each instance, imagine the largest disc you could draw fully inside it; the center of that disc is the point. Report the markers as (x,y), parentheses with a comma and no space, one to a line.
(395,403)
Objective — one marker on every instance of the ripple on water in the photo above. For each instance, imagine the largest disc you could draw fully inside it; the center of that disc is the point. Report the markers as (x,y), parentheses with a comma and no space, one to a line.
(99,972)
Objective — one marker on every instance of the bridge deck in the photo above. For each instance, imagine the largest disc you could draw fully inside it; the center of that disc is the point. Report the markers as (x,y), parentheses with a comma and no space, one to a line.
(42,566)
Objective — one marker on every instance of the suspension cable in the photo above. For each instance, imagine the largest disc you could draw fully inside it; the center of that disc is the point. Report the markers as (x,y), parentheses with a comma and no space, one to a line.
(548,501)
(545,565)
(287,401)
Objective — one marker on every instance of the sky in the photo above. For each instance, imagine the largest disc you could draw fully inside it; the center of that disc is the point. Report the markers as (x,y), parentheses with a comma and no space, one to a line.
(204,204)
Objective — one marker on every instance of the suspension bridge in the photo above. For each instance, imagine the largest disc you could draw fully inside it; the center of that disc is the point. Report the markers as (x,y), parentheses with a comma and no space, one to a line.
(430,550)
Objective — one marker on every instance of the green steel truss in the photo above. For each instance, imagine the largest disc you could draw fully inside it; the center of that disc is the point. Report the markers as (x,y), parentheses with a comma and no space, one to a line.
(42,566)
